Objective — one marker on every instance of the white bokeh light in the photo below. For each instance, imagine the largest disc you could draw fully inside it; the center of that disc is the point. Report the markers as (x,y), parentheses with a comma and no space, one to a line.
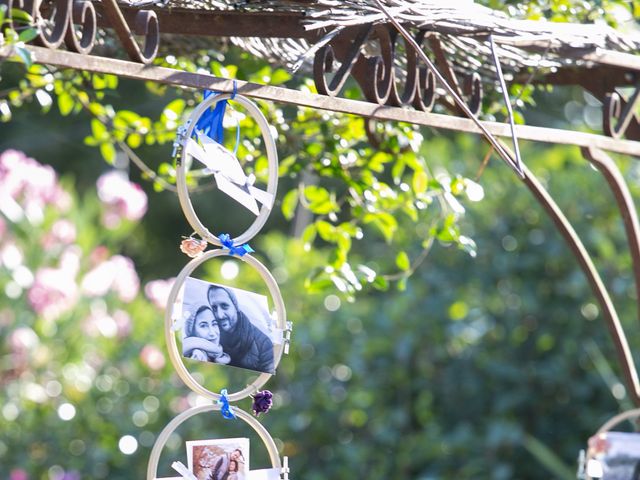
(128,444)
(66,411)
(229,270)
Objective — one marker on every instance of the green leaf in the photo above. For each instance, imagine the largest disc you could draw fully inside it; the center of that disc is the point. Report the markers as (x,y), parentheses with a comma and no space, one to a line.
(380,283)
(398,169)
(385,222)
(419,182)
(134,140)
(66,104)
(289,204)
(309,235)
(321,202)
(108,152)
(24,55)
(99,130)
(402,261)
(326,230)
(280,76)
(20,16)
(27,35)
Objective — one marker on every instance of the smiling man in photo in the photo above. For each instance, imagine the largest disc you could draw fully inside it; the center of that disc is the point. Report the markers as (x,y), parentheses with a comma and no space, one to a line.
(245,343)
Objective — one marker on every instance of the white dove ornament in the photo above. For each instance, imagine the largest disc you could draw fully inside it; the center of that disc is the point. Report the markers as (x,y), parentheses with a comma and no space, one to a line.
(227,171)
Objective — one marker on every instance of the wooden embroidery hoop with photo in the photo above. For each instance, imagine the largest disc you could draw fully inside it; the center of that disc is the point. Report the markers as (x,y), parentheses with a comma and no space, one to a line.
(185,160)
(154,458)
(608,425)
(170,334)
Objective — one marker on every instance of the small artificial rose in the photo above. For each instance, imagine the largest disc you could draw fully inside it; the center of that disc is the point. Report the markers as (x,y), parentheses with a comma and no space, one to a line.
(192,246)
(262,402)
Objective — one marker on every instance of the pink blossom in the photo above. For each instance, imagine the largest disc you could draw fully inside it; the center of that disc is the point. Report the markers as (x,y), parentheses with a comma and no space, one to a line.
(117,274)
(30,186)
(3,227)
(22,339)
(63,232)
(152,357)
(122,198)
(123,323)
(99,322)
(158,291)
(18,474)
(126,283)
(54,290)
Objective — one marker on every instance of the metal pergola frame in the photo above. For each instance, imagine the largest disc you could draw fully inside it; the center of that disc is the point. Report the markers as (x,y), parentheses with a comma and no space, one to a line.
(592,146)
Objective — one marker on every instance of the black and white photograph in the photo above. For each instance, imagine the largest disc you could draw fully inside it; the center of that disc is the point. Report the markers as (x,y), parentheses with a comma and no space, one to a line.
(227,326)
(224,459)
(615,456)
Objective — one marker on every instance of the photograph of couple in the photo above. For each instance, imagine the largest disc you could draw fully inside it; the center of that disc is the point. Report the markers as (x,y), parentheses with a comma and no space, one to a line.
(226,459)
(228,326)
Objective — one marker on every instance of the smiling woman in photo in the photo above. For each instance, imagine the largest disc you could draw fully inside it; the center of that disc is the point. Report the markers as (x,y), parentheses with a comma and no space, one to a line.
(202,341)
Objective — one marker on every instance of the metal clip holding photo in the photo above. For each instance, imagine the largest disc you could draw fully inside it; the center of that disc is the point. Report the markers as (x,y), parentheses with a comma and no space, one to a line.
(287,337)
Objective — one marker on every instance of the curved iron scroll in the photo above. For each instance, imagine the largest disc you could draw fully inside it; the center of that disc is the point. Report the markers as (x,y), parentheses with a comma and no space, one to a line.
(614,178)
(376,74)
(75,23)
(619,115)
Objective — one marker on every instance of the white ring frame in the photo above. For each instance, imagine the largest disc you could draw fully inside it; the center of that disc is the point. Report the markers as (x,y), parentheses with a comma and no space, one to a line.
(158,446)
(608,425)
(272,157)
(170,335)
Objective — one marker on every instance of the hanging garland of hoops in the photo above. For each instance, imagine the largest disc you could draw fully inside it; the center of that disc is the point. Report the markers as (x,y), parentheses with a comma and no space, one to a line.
(210,321)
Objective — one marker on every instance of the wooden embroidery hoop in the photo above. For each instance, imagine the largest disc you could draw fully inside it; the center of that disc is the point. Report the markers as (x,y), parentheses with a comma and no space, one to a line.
(608,425)
(272,157)
(170,334)
(154,458)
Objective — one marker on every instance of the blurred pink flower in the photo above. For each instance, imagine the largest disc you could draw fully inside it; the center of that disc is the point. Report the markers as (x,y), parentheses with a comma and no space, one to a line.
(118,274)
(63,232)
(123,199)
(158,291)
(3,228)
(193,247)
(123,323)
(20,342)
(152,357)
(18,474)
(54,290)
(27,186)
(99,322)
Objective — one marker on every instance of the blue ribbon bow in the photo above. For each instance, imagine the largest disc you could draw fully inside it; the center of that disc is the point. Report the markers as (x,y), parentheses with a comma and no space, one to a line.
(210,122)
(225,409)
(240,250)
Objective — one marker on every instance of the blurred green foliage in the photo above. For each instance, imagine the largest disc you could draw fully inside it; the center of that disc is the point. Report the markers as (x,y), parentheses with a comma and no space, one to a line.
(490,364)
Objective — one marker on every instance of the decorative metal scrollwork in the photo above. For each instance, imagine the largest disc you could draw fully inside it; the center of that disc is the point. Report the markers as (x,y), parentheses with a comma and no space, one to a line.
(74,22)
(619,116)
(82,40)
(376,73)
(325,59)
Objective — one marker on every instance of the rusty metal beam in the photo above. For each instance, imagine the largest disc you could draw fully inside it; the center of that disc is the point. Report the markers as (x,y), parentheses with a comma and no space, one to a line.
(223,23)
(285,95)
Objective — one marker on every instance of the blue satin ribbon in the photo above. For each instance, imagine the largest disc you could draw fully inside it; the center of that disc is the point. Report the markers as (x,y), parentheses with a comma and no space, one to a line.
(210,122)
(225,409)
(240,250)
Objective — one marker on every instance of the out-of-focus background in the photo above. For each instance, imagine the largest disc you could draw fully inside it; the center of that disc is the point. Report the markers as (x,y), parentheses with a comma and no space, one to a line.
(495,364)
